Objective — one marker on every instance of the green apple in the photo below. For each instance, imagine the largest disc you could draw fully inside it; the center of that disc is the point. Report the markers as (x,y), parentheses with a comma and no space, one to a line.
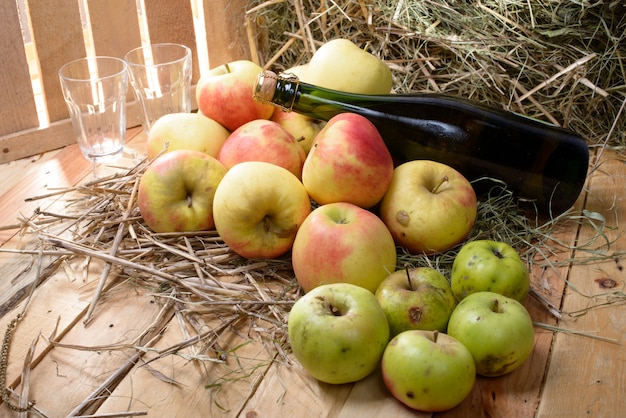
(185,131)
(176,192)
(496,329)
(340,64)
(420,298)
(263,140)
(429,207)
(348,162)
(342,242)
(487,265)
(225,94)
(258,208)
(338,332)
(427,370)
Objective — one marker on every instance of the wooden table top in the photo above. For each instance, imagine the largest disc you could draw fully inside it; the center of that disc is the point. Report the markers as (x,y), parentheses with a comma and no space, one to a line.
(577,369)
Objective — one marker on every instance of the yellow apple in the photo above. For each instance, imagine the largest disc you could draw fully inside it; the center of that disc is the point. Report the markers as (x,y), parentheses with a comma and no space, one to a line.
(341,65)
(429,206)
(186,131)
(303,128)
(258,208)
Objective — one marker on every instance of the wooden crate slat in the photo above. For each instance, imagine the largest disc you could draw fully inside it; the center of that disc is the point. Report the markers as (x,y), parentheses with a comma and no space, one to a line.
(225,31)
(59,39)
(115,26)
(172,22)
(17,103)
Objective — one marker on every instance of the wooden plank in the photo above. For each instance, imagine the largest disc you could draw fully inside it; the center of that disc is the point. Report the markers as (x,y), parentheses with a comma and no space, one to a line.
(587,376)
(17,103)
(115,26)
(67,376)
(58,35)
(172,21)
(197,388)
(225,31)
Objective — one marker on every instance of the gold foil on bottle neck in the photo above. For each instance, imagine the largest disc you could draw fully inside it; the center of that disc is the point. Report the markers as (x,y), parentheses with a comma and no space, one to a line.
(265,88)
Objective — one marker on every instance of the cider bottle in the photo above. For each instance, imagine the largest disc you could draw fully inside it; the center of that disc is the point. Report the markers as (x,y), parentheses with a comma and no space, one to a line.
(536,160)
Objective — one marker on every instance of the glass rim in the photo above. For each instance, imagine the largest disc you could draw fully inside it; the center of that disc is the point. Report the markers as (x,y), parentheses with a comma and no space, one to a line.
(185,56)
(123,70)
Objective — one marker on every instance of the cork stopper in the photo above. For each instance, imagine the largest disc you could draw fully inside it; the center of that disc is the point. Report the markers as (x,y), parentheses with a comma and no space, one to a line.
(265,86)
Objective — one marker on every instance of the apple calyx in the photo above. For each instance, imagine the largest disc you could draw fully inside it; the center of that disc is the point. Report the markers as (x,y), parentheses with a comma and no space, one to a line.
(334,310)
(438,185)
(495,306)
(270,227)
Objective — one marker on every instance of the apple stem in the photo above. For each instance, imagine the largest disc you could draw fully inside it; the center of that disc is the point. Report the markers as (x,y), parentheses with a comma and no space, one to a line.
(443,180)
(408,276)
(189,201)
(435,335)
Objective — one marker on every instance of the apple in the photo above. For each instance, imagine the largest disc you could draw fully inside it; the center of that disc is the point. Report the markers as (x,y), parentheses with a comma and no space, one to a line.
(258,208)
(340,64)
(429,207)
(419,298)
(263,140)
(185,131)
(342,243)
(176,191)
(496,329)
(427,370)
(348,162)
(338,332)
(487,265)
(302,127)
(225,94)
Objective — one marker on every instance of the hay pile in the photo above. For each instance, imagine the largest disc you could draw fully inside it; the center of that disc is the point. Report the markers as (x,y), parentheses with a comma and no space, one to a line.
(559,61)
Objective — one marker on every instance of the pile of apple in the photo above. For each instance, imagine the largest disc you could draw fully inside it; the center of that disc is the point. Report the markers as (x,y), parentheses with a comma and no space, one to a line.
(272,182)
(431,337)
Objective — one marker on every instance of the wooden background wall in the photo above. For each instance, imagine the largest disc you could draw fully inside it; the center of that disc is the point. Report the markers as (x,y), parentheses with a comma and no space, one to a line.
(56,36)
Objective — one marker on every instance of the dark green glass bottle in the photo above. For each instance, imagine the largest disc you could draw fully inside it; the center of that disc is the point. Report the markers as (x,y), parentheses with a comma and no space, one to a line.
(538,161)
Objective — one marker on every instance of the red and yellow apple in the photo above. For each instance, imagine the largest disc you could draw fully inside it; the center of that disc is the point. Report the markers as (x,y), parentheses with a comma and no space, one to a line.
(258,208)
(348,162)
(342,243)
(175,193)
(185,131)
(429,206)
(263,140)
(225,94)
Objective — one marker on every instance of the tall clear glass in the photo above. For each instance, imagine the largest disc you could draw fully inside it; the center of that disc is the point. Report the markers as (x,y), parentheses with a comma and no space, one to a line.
(95,90)
(161,78)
